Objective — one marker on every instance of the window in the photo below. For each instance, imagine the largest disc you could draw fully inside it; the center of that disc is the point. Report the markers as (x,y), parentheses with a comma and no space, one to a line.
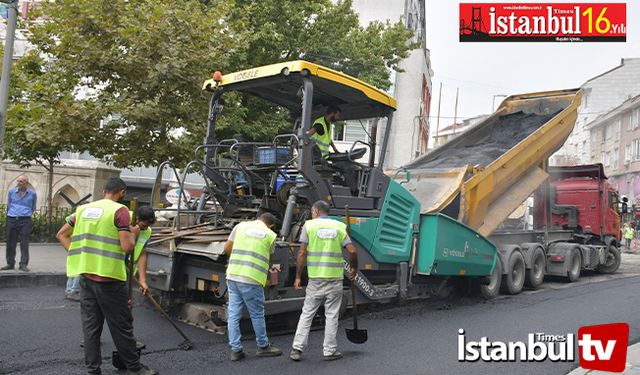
(602,156)
(616,130)
(636,149)
(630,121)
(351,131)
(614,159)
(627,154)
(635,117)
(337,132)
(606,159)
(357,130)
(607,132)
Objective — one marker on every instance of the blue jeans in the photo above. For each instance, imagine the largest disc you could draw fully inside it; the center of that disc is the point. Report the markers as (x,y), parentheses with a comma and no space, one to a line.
(73,285)
(253,297)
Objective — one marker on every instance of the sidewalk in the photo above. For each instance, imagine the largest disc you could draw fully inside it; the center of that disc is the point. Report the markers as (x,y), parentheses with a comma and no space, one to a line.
(47,266)
(633,364)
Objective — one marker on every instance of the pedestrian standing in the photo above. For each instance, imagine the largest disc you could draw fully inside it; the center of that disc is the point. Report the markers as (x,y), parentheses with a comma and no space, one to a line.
(249,249)
(21,203)
(628,235)
(97,239)
(322,240)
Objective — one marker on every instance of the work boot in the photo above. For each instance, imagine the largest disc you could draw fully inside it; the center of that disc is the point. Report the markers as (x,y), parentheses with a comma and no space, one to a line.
(236,356)
(268,351)
(332,357)
(143,371)
(7,267)
(73,296)
(295,355)
(24,268)
(140,345)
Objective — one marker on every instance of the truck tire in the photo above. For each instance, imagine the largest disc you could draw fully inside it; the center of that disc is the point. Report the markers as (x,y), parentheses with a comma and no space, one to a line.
(516,270)
(492,289)
(575,266)
(535,274)
(612,263)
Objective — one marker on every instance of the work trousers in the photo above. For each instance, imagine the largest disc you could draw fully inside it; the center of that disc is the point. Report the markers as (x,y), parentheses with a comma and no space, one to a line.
(18,230)
(319,291)
(107,300)
(241,294)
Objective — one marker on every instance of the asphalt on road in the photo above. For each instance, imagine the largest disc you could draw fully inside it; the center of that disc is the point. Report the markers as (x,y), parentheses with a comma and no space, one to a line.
(40,333)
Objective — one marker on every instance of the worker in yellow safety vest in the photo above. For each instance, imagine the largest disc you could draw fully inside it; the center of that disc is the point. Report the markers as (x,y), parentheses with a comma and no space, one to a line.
(142,231)
(628,235)
(322,240)
(97,238)
(249,250)
(320,131)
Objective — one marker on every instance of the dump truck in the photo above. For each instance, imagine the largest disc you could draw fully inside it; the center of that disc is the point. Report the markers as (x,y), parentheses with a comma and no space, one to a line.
(432,224)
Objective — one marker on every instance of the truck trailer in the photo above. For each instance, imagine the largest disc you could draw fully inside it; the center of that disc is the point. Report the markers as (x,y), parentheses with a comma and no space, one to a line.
(431,224)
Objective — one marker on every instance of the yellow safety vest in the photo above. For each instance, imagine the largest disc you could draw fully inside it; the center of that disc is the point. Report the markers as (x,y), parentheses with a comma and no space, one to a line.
(323,141)
(628,233)
(95,243)
(324,252)
(251,251)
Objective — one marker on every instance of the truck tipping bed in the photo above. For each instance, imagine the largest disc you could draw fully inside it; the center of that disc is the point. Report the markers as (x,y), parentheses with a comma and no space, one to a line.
(484,174)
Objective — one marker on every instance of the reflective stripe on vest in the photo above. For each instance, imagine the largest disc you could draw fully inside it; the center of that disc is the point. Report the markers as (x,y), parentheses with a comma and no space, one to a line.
(251,250)
(323,141)
(95,243)
(324,252)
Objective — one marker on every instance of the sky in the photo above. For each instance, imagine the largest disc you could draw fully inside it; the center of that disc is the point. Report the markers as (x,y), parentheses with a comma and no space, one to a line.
(482,70)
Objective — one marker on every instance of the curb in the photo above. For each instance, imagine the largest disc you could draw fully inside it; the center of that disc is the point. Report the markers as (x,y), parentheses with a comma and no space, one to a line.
(25,280)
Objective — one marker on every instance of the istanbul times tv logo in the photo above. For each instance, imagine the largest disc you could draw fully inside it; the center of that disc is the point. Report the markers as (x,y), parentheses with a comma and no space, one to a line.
(600,347)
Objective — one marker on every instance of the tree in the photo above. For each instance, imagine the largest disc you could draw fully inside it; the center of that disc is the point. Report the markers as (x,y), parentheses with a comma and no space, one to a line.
(46,117)
(319,31)
(144,62)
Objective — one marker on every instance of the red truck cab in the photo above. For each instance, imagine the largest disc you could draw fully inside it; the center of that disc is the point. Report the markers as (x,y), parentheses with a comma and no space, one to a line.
(582,200)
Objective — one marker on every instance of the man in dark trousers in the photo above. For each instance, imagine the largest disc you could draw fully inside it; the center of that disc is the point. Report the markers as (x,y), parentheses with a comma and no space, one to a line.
(97,238)
(21,203)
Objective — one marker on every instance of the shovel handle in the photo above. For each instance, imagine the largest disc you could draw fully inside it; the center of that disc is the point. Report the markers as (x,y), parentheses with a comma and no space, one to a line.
(353,286)
(133,206)
(161,311)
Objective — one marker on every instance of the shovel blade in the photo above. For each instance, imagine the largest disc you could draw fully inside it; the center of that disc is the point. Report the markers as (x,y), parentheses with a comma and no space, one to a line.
(357,336)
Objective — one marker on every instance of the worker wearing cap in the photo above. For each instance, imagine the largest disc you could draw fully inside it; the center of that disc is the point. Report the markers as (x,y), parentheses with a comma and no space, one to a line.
(249,249)
(97,239)
(628,235)
(142,231)
(321,130)
(322,240)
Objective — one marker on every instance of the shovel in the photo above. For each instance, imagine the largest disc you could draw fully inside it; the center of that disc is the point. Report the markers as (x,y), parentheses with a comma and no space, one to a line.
(355,335)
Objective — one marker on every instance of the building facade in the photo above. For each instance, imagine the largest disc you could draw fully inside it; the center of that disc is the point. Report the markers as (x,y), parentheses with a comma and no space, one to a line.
(602,93)
(412,88)
(615,142)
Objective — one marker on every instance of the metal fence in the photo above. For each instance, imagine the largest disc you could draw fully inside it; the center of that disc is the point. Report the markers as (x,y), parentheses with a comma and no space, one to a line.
(42,231)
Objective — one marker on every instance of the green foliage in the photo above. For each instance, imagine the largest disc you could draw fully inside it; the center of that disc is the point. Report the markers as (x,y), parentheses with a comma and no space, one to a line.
(139,67)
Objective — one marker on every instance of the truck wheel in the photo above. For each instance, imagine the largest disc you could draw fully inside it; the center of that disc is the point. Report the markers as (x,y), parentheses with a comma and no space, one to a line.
(491,290)
(575,265)
(612,263)
(514,278)
(535,275)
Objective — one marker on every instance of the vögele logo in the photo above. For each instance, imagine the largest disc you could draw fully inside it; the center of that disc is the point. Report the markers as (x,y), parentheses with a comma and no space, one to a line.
(603,347)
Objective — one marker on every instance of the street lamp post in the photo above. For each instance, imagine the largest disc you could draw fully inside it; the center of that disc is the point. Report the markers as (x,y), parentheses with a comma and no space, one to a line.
(493,105)
(12,19)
